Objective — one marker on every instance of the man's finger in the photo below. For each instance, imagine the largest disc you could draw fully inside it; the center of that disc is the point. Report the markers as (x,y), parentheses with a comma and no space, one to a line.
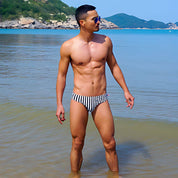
(131,106)
(131,103)
(59,119)
(128,105)
(63,117)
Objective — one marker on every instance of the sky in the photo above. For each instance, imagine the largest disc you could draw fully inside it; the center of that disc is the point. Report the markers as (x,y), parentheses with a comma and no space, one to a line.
(161,10)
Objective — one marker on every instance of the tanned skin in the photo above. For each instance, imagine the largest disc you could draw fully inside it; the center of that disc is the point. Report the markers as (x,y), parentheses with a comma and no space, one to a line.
(88,54)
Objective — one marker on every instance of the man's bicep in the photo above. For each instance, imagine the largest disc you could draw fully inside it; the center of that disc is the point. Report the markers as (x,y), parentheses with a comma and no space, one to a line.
(110,57)
(63,65)
(111,61)
(64,60)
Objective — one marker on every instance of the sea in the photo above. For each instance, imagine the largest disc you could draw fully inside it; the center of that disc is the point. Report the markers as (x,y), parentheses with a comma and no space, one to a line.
(32,142)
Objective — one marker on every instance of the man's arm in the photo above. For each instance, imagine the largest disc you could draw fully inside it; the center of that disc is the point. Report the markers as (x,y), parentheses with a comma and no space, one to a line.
(61,80)
(118,75)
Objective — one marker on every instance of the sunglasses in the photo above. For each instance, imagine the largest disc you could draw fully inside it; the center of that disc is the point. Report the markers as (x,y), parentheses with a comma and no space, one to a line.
(96,19)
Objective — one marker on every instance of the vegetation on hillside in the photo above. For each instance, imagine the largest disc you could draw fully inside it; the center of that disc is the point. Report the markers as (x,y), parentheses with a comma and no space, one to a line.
(46,10)
(127,21)
(38,9)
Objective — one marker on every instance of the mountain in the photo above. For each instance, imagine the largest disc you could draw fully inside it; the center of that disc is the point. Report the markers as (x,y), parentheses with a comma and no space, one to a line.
(128,21)
(39,9)
(53,11)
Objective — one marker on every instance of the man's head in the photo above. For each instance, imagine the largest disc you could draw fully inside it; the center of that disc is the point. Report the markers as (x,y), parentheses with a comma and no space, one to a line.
(87,17)
(81,12)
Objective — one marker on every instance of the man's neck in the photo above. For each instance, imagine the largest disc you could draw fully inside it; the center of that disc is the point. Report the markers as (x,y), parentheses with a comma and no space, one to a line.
(86,36)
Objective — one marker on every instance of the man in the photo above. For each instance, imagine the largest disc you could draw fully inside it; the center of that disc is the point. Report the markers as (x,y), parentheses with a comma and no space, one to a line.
(88,53)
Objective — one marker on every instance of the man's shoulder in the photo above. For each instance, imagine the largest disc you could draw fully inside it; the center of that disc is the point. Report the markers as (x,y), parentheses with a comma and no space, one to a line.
(68,43)
(66,47)
(101,35)
(104,37)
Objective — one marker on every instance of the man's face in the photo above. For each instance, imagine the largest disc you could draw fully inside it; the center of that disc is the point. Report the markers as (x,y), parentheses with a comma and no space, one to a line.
(90,21)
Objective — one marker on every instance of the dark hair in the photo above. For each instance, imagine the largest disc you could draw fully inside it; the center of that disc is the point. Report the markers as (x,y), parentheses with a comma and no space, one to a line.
(81,11)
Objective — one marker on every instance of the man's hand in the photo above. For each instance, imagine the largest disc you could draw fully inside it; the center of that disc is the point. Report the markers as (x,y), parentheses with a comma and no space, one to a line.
(60,114)
(129,99)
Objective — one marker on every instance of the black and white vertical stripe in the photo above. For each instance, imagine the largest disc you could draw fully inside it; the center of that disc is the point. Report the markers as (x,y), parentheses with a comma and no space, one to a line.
(90,102)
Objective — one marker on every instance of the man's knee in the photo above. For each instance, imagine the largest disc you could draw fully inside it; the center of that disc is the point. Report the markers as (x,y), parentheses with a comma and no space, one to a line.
(110,145)
(77,143)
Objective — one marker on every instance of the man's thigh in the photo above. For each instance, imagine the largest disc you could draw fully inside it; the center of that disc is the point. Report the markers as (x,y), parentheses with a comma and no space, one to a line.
(103,119)
(78,119)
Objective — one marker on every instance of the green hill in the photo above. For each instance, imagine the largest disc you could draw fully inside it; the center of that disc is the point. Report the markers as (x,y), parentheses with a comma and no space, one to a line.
(128,21)
(38,9)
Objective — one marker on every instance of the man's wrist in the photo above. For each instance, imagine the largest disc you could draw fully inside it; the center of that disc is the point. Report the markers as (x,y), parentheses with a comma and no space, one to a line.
(59,104)
(126,90)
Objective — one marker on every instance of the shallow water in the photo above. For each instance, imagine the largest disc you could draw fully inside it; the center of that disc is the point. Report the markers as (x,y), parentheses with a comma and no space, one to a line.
(33,144)
(149,60)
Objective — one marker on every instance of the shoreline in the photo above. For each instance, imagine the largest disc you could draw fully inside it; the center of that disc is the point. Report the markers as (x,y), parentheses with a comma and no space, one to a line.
(30,23)
(6,28)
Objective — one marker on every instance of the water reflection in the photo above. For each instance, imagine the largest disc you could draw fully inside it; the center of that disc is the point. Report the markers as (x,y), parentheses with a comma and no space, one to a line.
(28,63)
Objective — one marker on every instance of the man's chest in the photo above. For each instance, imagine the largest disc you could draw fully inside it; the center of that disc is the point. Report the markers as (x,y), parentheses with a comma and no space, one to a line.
(85,53)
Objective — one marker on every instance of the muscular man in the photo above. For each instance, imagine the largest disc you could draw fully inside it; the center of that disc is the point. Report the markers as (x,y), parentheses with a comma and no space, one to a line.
(88,53)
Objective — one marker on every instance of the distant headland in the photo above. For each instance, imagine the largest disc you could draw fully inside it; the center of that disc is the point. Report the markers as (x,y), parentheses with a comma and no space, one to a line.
(128,21)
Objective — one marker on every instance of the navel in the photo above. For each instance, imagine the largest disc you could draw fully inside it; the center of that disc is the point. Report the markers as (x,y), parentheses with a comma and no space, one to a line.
(80,63)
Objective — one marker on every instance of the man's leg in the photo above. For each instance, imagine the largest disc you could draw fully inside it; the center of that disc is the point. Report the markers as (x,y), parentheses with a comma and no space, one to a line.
(104,122)
(78,123)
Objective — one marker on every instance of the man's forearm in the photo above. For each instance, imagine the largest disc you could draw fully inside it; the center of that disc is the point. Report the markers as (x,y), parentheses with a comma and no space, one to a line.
(60,86)
(119,77)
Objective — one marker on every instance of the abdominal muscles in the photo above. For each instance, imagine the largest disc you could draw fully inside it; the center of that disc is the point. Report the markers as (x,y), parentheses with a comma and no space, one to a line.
(89,80)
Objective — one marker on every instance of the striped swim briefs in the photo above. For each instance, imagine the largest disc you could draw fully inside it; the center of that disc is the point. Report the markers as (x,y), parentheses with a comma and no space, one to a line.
(90,102)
